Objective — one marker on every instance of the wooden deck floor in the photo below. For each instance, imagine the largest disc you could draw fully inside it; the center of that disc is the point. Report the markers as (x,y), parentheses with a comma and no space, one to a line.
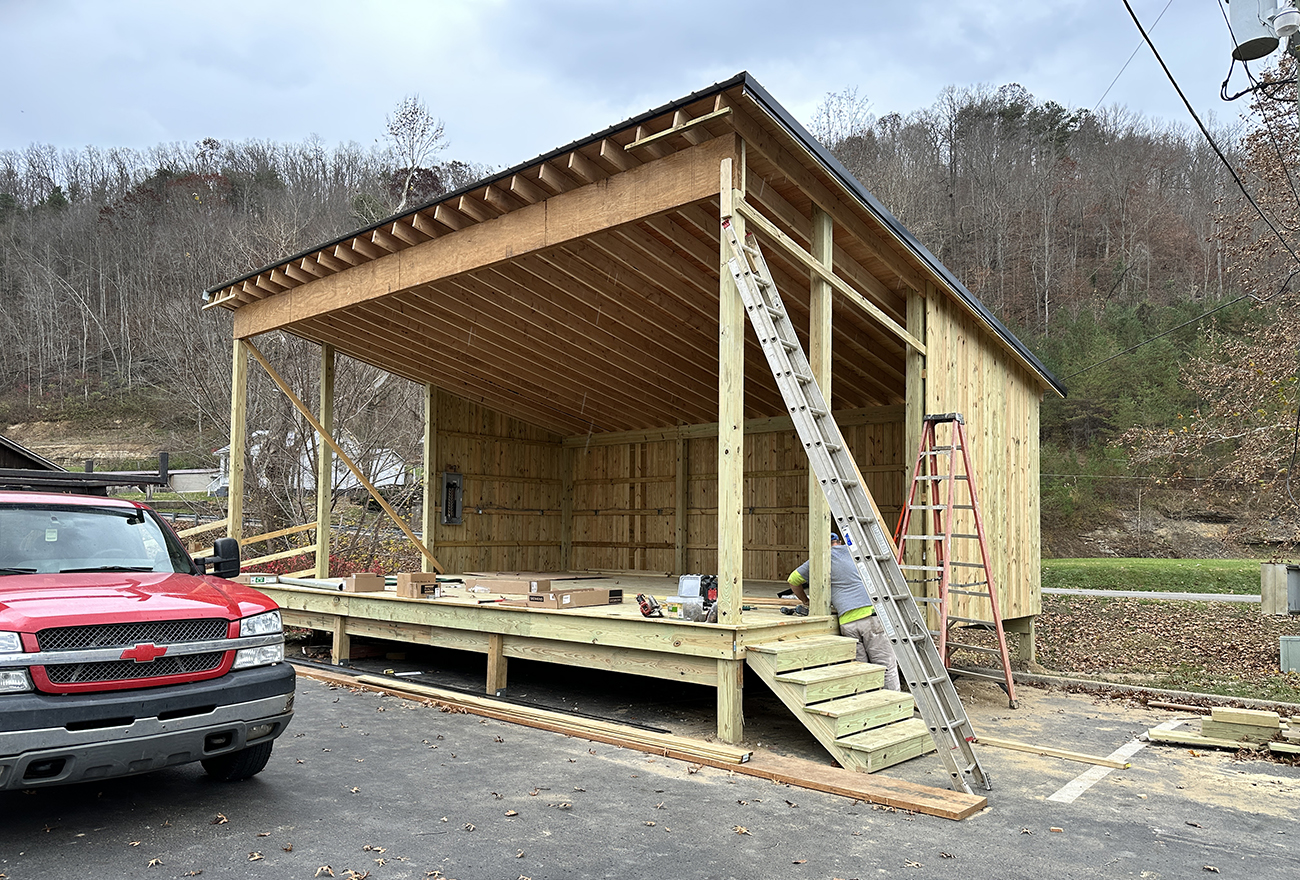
(615,638)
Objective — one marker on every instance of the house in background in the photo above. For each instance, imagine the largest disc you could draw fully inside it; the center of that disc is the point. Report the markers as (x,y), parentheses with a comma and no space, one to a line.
(13,455)
(382,467)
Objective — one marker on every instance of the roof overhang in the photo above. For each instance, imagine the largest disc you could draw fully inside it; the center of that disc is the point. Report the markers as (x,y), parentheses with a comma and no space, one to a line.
(579,290)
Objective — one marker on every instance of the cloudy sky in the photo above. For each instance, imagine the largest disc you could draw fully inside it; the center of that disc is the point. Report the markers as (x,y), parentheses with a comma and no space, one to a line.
(513,78)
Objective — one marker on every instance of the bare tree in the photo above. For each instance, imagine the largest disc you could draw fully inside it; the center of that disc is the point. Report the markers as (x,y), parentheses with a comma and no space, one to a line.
(415,137)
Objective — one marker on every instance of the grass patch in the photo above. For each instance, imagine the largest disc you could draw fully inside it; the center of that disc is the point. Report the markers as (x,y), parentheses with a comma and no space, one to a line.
(1237,576)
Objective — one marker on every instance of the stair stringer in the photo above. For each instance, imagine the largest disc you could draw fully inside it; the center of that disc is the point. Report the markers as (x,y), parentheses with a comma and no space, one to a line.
(820,727)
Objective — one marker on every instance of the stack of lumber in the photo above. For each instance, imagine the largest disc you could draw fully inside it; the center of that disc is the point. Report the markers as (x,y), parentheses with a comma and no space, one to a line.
(1238,729)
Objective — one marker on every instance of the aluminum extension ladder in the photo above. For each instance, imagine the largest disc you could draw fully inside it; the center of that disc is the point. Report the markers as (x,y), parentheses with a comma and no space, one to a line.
(937,550)
(856,516)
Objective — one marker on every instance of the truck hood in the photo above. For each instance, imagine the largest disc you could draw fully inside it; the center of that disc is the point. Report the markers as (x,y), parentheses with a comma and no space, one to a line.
(30,602)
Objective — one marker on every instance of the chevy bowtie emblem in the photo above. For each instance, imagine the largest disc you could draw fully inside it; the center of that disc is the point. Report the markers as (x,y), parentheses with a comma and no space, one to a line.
(144,653)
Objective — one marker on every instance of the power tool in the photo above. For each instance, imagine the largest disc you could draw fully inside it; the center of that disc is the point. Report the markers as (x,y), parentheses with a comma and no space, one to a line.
(649,605)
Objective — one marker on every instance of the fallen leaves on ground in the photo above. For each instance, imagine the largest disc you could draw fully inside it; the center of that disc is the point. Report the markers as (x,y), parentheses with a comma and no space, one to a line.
(1209,640)
(740,829)
(220,820)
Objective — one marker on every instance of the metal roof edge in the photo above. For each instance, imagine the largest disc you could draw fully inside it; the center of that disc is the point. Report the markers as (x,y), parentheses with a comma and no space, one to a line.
(835,167)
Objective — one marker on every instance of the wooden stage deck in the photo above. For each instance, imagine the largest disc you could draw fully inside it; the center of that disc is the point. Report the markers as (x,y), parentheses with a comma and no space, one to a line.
(615,638)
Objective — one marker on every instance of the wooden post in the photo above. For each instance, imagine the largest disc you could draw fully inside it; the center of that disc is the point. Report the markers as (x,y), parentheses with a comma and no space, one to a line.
(325,463)
(731,691)
(568,461)
(341,649)
(496,664)
(432,476)
(731,431)
(819,359)
(238,440)
(343,456)
(679,513)
(1020,637)
(914,408)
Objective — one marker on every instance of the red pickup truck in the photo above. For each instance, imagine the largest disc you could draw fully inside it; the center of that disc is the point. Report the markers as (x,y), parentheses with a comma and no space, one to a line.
(119,654)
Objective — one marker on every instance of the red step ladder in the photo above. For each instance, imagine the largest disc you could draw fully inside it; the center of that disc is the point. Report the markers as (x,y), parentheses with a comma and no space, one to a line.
(940,555)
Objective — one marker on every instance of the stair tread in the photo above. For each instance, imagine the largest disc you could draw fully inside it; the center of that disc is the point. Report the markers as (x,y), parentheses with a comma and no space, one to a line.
(797,644)
(819,674)
(888,735)
(860,702)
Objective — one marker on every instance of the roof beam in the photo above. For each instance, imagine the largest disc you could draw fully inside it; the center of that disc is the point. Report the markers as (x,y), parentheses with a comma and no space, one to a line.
(681,127)
(554,178)
(768,228)
(407,232)
(331,262)
(297,274)
(844,214)
(584,169)
(452,219)
(613,153)
(502,200)
(684,177)
(475,209)
(421,222)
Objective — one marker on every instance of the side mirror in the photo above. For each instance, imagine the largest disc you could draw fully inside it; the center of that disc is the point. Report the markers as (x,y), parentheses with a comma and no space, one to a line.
(224,559)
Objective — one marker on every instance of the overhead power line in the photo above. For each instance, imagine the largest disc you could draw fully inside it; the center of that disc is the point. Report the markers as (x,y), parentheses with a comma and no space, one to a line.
(1136,49)
(1240,185)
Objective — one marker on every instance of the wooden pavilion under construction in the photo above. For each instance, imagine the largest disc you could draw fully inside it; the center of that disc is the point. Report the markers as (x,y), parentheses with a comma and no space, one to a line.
(590,375)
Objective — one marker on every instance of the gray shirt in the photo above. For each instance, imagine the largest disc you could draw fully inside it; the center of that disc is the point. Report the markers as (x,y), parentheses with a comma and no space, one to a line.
(847,590)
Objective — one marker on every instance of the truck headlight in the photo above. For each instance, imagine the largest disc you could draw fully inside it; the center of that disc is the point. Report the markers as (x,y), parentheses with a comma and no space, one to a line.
(10,643)
(14,681)
(262,656)
(261,624)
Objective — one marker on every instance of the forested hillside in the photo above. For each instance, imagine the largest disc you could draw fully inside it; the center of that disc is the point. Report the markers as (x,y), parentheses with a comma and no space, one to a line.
(1086,233)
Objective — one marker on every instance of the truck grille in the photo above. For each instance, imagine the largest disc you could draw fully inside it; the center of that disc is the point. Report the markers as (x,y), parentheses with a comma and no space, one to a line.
(129,670)
(126,635)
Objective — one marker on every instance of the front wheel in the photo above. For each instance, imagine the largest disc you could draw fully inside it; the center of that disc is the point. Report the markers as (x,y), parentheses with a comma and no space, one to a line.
(234,766)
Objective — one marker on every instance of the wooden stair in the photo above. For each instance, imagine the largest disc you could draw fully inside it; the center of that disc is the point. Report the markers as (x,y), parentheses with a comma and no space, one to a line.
(840,700)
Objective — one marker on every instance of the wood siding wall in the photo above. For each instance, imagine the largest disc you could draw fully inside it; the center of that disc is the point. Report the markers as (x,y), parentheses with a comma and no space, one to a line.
(967,373)
(512,490)
(625,497)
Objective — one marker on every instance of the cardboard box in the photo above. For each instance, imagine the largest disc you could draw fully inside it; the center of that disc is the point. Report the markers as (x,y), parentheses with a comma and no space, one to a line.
(363,582)
(418,585)
(506,585)
(559,600)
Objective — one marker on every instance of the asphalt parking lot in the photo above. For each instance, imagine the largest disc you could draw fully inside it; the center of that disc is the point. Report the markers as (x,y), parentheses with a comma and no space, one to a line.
(366,785)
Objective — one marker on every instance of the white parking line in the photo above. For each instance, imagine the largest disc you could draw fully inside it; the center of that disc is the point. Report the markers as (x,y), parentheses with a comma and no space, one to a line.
(1090,777)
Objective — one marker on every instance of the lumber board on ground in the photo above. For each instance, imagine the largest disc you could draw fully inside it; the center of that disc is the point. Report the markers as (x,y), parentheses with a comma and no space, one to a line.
(876,789)
(1252,717)
(1285,748)
(1227,730)
(1051,752)
(559,722)
(1176,738)
(1179,707)
(882,790)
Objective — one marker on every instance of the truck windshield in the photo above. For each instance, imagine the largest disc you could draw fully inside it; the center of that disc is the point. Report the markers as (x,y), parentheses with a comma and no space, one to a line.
(53,538)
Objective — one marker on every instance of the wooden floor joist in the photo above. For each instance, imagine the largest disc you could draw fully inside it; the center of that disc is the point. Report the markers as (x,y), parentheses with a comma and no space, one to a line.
(873,789)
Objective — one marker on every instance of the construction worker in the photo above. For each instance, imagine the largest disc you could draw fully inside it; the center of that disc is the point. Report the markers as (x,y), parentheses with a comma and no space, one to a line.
(858,619)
